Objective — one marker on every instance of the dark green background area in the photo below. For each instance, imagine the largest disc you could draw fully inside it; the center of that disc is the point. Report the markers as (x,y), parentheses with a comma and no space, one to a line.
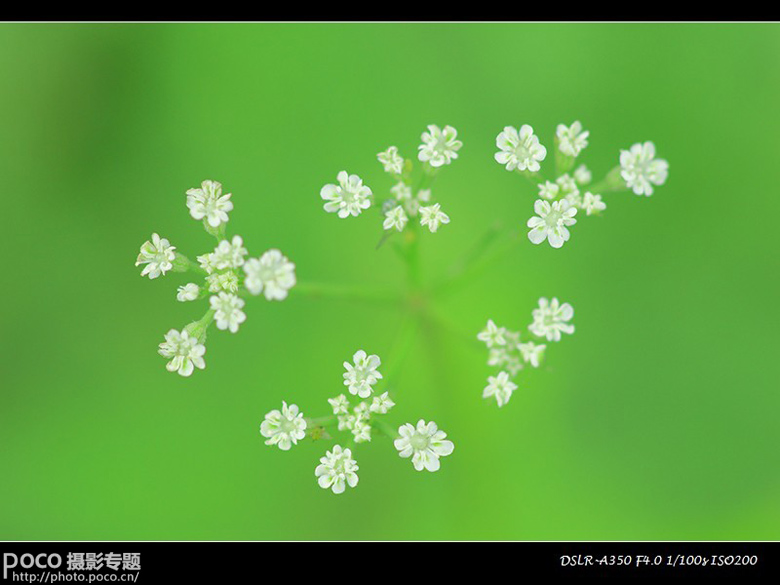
(657,419)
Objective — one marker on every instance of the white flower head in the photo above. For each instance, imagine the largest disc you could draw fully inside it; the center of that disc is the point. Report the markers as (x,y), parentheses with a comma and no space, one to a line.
(361,431)
(492,335)
(551,222)
(272,274)
(512,338)
(360,376)
(227,311)
(188,292)
(548,190)
(349,197)
(184,350)
(641,170)
(284,428)
(228,254)
(532,353)
(392,161)
(425,444)
(381,404)
(433,217)
(513,364)
(340,404)
(501,387)
(208,202)
(401,191)
(497,356)
(439,147)
(582,175)
(424,195)
(551,319)
(223,281)
(206,263)
(158,255)
(571,140)
(395,218)
(592,203)
(337,470)
(569,190)
(519,150)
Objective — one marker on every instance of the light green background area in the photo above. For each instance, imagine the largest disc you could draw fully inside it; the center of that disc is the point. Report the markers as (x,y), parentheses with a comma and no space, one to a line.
(657,419)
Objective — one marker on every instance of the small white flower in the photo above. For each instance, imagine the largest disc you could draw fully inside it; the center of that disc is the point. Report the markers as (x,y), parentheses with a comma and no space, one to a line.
(439,147)
(551,319)
(401,191)
(395,218)
(158,255)
(206,263)
(571,140)
(592,203)
(501,387)
(492,335)
(272,274)
(512,338)
(228,254)
(582,175)
(548,190)
(227,281)
(432,216)
(641,170)
(208,202)
(349,197)
(361,431)
(188,292)
(424,195)
(497,356)
(362,411)
(363,374)
(228,313)
(569,190)
(513,364)
(337,470)
(340,404)
(425,444)
(381,404)
(284,428)
(550,222)
(346,421)
(519,150)
(393,162)
(185,351)
(532,353)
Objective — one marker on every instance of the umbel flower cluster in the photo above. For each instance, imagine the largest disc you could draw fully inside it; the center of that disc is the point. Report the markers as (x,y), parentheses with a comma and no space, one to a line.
(570,192)
(509,353)
(226,275)
(409,198)
(357,414)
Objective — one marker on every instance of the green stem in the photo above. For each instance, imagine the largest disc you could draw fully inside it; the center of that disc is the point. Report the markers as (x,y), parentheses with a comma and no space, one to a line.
(454,283)
(384,428)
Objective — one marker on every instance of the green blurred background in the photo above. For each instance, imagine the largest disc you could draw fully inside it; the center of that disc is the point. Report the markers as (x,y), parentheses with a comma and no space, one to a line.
(658,419)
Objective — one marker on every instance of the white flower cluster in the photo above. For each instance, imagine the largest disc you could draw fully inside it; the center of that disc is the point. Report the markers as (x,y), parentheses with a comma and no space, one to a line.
(507,352)
(561,199)
(224,270)
(361,414)
(351,197)
(357,418)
